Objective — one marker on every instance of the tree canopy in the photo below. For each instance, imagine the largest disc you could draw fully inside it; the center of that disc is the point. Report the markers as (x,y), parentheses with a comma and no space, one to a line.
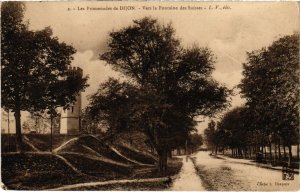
(166,87)
(271,87)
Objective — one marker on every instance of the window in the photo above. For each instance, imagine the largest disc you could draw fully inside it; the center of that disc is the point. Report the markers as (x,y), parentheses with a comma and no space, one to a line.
(72,109)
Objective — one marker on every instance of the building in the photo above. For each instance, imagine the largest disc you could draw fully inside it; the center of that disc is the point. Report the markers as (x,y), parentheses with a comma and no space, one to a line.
(70,121)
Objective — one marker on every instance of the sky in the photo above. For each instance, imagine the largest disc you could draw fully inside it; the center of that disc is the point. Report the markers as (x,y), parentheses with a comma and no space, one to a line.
(229,31)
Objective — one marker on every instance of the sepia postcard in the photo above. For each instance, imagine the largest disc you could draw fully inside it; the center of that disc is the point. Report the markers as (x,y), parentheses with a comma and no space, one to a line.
(150,96)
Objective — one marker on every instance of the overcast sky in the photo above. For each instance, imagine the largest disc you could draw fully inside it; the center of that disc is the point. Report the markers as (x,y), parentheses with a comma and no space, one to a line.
(230,33)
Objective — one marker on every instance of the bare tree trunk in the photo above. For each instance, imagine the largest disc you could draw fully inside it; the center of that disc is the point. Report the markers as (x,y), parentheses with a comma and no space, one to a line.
(242,152)
(170,153)
(290,154)
(163,160)
(8,130)
(270,145)
(186,146)
(275,155)
(265,152)
(18,130)
(51,129)
(279,150)
(284,152)
(250,152)
(160,161)
(298,152)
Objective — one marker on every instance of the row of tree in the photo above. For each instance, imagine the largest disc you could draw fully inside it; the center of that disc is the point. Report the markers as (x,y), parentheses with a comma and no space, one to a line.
(270,117)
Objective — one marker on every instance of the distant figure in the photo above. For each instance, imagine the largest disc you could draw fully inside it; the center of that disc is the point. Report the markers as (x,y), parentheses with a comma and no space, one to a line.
(168,182)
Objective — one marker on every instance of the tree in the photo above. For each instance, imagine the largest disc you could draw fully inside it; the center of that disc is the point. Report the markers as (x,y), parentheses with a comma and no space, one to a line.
(33,67)
(195,141)
(90,124)
(174,84)
(112,105)
(232,131)
(209,134)
(271,87)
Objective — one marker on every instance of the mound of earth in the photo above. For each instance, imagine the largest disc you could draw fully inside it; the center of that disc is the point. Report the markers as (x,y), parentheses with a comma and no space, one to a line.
(139,156)
(135,139)
(79,159)
(91,146)
(46,170)
(43,141)
(98,166)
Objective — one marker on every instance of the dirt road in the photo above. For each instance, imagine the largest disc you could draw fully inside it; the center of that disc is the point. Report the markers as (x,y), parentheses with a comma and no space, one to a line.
(222,173)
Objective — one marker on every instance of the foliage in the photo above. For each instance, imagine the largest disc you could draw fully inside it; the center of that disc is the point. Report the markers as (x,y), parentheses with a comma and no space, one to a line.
(167,86)
(232,129)
(195,141)
(271,87)
(34,67)
(209,134)
(271,114)
(112,104)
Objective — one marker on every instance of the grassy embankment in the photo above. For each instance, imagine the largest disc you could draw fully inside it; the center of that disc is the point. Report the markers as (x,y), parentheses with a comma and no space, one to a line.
(84,159)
